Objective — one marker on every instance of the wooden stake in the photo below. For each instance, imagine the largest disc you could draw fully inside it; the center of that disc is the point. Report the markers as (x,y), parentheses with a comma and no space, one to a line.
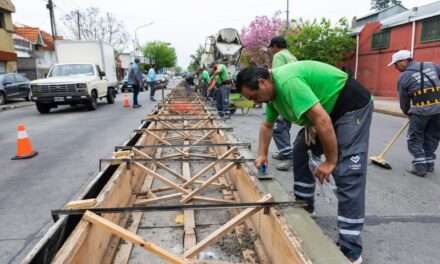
(81,204)
(133,238)
(216,235)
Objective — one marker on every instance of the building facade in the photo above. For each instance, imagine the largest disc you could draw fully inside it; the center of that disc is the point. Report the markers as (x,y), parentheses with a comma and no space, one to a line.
(35,50)
(8,56)
(379,35)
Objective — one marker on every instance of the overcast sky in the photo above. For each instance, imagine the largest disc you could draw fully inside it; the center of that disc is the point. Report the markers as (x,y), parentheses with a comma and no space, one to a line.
(186,23)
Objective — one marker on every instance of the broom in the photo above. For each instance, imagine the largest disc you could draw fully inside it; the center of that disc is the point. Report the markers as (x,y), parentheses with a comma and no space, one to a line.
(379,160)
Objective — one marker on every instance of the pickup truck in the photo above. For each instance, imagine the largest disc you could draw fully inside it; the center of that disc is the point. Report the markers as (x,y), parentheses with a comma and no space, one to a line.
(71,84)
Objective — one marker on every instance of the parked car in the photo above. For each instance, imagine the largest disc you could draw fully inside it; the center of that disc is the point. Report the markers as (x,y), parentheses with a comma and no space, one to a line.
(14,85)
(128,88)
(161,81)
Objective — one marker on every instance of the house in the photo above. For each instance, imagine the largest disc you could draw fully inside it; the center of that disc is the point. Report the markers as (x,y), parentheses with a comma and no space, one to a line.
(7,52)
(379,35)
(36,51)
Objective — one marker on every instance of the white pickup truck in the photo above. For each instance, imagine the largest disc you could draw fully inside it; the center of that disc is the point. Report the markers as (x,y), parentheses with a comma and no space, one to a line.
(71,84)
(85,72)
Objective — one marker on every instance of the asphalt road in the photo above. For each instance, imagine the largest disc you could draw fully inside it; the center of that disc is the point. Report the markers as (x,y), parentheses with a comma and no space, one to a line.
(403,211)
(70,142)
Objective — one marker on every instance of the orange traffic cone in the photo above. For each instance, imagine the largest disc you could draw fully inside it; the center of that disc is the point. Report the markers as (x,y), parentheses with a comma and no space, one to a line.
(24,147)
(126,101)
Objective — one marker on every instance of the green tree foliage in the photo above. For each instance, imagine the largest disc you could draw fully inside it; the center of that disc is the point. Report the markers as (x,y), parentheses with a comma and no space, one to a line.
(320,41)
(178,69)
(382,4)
(196,59)
(161,54)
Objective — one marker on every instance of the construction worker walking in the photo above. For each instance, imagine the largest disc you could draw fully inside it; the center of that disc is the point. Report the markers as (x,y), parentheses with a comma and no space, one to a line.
(281,128)
(315,94)
(419,94)
(221,82)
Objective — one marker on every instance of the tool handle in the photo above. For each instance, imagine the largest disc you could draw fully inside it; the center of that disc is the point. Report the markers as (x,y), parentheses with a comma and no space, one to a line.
(395,137)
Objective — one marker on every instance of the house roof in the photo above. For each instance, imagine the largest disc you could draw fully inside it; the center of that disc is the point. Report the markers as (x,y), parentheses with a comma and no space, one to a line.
(36,36)
(402,17)
(414,14)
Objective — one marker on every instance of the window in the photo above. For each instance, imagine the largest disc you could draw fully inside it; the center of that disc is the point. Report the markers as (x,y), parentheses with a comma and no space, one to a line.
(2,20)
(431,29)
(381,40)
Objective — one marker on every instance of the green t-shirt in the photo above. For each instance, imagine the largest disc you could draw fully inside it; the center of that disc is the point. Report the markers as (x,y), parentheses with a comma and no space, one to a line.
(301,85)
(223,74)
(205,77)
(282,57)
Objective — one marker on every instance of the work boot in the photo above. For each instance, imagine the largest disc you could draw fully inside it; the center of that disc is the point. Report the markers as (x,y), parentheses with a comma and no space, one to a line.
(418,170)
(137,106)
(285,165)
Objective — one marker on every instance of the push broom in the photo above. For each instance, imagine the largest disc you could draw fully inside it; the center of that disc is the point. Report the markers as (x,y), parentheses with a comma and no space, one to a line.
(380,160)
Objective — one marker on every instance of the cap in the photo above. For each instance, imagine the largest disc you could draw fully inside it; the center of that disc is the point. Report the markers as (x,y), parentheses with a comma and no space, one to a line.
(399,56)
(279,41)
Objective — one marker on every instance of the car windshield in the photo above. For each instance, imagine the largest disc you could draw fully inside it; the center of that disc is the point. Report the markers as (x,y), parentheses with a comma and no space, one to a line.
(72,69)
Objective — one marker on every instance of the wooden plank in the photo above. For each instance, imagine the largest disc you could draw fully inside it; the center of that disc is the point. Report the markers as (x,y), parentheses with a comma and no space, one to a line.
(142,202)
(216,235)
(207,183)
(212,200)
(81,204)
(133,238)
(165,142)
(162,179)
(69,251)
(189,224)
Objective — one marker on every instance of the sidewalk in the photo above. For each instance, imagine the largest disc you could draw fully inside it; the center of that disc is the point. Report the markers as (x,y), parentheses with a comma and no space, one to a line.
(388,106)
(15,105)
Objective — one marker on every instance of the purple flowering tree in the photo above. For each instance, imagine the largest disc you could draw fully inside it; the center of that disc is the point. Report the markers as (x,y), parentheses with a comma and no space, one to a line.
(256,37)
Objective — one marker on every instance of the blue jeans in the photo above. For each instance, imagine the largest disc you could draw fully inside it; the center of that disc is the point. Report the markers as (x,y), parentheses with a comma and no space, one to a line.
(222,99)
(135,94)
(152,88)
(281,136)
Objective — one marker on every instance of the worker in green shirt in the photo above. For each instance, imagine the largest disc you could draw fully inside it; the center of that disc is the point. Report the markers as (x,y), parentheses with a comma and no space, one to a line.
(221,83)
(205,81)
(281,127)
(339,109)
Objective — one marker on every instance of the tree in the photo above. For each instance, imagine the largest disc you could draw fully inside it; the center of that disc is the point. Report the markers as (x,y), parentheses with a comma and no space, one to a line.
(95,25)
(383,4)
(178,69)
(321,41)
(196,59)
(161,54)
(256,37)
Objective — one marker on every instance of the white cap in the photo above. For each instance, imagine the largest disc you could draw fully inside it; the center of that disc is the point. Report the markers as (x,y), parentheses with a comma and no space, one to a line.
(399,56)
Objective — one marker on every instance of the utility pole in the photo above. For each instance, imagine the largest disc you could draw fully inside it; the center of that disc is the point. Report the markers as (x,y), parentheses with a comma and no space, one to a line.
(52,18)
(79,25)
(287,15)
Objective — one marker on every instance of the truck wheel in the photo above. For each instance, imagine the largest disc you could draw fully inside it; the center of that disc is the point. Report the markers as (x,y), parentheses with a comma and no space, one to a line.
(43,108)
(93,102)
(110,96)
(2,98)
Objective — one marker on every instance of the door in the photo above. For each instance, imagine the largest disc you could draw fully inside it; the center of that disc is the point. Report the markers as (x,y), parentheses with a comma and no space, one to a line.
(101,83)
(23,85)
(10,86)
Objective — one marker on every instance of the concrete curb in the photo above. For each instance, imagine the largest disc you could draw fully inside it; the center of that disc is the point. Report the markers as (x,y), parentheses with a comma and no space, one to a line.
(389,112)
(15,106)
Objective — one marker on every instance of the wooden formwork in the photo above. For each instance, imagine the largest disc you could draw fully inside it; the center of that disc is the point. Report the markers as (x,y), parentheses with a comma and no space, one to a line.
(262,235)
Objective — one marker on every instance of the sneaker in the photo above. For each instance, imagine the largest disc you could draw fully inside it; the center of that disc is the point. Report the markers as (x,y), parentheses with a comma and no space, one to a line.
(418,170)
(430,167)
(152,99)
(285,165)
(278,156)
(137,106)
(358,261)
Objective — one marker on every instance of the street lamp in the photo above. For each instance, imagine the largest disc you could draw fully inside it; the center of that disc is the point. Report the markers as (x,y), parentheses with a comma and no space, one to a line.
(137,46)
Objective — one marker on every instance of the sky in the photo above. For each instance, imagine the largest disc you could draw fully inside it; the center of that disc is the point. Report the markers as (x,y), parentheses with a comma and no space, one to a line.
(186,23)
